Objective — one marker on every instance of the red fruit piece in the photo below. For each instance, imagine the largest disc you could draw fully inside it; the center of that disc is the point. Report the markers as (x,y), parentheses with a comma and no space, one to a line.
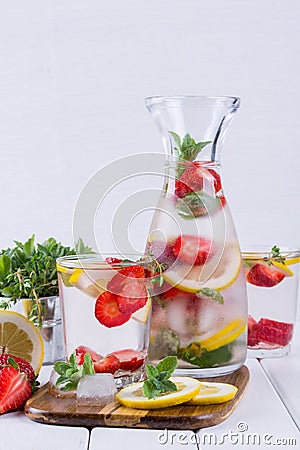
(253,331)
(24,366)
(82,350)
(113,260)
(15,389)
(115,285)
(193,250)
(129,359)
(192,180)
(273,332)
(107,311)
(264,276)
(133,296)
(162,252)
(109,364)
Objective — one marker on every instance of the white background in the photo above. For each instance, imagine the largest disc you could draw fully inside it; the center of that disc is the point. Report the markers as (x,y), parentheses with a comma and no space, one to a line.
(73,77)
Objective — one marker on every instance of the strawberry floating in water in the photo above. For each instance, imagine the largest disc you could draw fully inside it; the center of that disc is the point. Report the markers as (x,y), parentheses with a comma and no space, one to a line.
(107,311)
(132,297)
(194,177)
(264,276)
(82,350)
(129,359)
(116,284)
(109,364)
(193,250)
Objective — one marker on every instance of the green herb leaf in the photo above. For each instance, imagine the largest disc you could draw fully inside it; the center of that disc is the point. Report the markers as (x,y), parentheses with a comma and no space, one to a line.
(212,294)
(13,363)
(187,148)
(70,373)
(197,204)
(276,255)
(4,267)
(167,365)
(158,378)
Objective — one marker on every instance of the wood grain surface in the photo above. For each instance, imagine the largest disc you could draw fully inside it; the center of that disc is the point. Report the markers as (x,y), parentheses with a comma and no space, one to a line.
(44,408)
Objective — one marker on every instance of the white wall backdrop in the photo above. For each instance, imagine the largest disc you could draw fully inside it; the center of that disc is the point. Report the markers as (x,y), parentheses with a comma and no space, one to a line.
(73,77)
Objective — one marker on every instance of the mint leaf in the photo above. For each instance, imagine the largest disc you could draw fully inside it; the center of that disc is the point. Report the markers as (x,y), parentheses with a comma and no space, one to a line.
(197,204)
(151,371)
(70,373)
(187,149)
(158,378)
(167,365)
(210,293)
(13,363)
(88,365)
(276,255)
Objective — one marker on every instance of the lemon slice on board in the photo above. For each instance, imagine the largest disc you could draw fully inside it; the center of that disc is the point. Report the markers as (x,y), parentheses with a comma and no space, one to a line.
(133,396)
(213,393)
(223,337)
(19,337)
(218,273)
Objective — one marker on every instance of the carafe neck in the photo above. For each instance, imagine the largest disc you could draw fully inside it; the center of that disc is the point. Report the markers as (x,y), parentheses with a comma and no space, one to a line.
(193,127)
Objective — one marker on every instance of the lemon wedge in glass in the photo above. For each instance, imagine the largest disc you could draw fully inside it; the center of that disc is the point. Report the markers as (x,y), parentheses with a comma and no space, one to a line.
(133,397)
(218,273)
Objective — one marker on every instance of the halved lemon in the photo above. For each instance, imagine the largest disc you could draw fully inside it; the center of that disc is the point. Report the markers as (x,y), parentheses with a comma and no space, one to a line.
(141,315)
(223,337)
(218,273)
(133,397)
(213,393)
(19,337)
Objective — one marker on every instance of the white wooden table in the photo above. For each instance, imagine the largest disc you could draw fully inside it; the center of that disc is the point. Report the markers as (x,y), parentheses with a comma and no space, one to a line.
(268,416)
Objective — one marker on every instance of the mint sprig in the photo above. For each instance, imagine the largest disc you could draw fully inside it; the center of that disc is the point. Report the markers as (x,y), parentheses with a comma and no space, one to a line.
(158,381)
(213,294)
(187,148)
(70,373)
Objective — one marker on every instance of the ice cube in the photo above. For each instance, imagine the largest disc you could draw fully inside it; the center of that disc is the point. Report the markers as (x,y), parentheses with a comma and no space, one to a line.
(96,389)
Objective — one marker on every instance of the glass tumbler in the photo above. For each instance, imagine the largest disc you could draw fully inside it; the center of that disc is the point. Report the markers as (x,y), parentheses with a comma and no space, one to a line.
(106,308)
(272,276)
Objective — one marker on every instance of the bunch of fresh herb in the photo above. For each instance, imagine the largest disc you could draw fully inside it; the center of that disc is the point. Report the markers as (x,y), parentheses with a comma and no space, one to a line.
(276,256)
(158,378)
(70,373)
(28,270)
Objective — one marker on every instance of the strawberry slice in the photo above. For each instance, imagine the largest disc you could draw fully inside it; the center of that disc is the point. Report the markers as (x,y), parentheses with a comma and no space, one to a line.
(15,389)
(264,276)
(193,250)
(109,364)
(133,296)
(24,366)
(192,179)
(113,260)
(129,359)
(82,350)
(107,311)
(124,275)
(274,332)
(253,329)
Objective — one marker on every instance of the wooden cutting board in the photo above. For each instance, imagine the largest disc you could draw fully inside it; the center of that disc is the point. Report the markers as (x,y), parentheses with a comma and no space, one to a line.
(44,408)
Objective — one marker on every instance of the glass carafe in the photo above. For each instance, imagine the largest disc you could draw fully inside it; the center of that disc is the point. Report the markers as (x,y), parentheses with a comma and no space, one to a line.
(200,307)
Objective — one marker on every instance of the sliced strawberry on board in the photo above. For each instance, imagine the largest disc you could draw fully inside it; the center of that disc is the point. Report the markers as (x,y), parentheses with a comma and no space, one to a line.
(15,389)
(124,275)
(129,359)
(82,350)
(133,296)
(193,250)
(24,366)
(107,311)
(109,364)
(264,276)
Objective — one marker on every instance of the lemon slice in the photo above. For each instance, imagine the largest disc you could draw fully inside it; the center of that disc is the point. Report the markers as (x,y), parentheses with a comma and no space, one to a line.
(91,282)
(213,393)
(218,273)
(141,315)
(291,261)
(223,337)
(133,396)
(19,337)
